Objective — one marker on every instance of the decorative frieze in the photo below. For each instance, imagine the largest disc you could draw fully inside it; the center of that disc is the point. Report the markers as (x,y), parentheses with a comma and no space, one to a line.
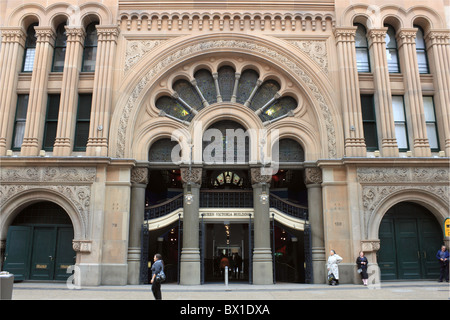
(315,49)
(137,49)
(47,174)
(225,21)
(82,246)
(377,175)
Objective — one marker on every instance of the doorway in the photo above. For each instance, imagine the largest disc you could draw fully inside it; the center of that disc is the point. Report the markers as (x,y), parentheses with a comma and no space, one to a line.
(39,244)
(226,244)
(409,239)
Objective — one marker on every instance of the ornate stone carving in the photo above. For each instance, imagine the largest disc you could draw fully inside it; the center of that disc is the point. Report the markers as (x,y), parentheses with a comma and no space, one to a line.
(82,246)
(47,174)
(258,175)
(313,176)
(137,49)
(193,175)
(380,183)
(316,50)
(139,175)
(370,245)
(201,47)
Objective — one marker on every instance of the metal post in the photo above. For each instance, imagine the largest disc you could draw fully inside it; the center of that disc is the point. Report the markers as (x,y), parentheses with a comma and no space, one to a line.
(226,277)
(202,252)
(179,246)
(250,250)
(273,249)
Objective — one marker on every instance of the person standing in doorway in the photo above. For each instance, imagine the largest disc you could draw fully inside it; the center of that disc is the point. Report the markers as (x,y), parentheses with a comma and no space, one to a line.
(157,267)
(332,266)
(362,262)
(443,255)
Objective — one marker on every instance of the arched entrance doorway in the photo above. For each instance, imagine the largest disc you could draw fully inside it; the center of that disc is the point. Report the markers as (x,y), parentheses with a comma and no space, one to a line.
(39,243)
(409,239)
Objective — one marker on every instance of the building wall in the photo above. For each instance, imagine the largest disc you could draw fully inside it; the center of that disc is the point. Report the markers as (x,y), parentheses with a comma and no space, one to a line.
(308,48)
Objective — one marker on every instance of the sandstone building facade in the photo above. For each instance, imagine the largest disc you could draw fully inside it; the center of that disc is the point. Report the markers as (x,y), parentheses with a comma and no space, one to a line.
(118,122)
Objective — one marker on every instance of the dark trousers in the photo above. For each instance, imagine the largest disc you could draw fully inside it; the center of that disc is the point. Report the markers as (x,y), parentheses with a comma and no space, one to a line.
(156,289)
(444,271)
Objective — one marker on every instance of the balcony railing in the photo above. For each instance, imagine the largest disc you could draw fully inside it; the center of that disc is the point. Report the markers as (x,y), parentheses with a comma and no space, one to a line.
(226,199)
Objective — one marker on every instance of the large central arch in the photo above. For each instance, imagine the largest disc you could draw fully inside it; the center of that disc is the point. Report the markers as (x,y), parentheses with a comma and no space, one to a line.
(145,74)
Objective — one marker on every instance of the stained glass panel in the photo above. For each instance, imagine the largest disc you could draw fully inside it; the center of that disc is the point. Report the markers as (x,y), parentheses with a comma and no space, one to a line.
(278,108)
(226,82)
(247,83)
(205,82)
(188,93)
(174,108)
(264,93)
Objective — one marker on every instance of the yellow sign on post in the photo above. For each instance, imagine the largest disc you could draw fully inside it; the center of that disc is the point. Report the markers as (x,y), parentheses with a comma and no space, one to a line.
(447,227)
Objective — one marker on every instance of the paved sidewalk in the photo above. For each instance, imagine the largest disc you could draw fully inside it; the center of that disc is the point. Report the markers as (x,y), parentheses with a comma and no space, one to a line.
(410,290)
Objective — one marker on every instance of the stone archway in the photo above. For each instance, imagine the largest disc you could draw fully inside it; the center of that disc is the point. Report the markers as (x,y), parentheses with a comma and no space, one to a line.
(137,84)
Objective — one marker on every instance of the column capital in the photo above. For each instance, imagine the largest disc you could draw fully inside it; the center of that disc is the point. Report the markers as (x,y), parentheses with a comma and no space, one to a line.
(193,175)
(437,36)
(139,175)
(406,36)
(259,176)
(75,34)
(313,176)
(377,35)
(107,33)
(45,34)
(345,34)
(13,35)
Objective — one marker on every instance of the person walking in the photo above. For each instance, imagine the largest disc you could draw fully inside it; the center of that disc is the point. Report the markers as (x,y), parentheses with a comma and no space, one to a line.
(157,267)
(443,255)
(332,266)
(362,262)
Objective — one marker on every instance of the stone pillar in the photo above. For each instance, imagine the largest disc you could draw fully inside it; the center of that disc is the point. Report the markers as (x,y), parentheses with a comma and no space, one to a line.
(139,180)
(69,92)
(370,249)
(438,45)
(190,252)
(350,97)
(262,252)
(13,42)
(406,40)
(37,102)
(97,144)
(313,181)
(383,95)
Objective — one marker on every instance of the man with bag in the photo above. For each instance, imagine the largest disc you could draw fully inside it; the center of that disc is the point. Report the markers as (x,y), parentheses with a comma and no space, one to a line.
(158,276)
(443,255)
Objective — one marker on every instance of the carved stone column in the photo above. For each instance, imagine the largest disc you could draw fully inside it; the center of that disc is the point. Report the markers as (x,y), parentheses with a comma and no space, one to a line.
(13,42)
(37,102)
(438,44)
(69,92)
(139,181)
(313,181)
(406,40)
(190,252)
(383,95)
(350,97)
(370,249)
(262,252)
(102,93)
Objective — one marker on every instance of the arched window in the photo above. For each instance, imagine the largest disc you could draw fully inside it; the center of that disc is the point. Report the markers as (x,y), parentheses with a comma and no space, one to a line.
(90,49)
(422,59)
(164,150)
(59,52)
(362,49)
(392,51)
(30,49)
